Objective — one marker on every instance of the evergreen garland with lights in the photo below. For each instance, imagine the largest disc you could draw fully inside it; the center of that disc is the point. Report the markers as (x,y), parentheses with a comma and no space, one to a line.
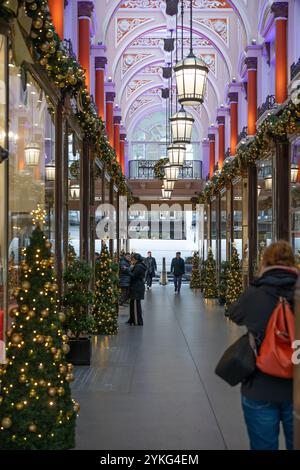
(105,308)
(234,280)
(210,289)
(195,282)
(36,409)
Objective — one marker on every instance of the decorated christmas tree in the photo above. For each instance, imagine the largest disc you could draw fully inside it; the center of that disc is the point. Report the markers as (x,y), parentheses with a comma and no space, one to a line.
(195,282)
(234,281)
(72,256)
(105,308)
(222,288)
(202,274)
(36,409)
(210,290)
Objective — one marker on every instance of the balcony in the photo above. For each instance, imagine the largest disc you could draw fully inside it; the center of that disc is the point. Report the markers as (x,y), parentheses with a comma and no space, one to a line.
(269,104)
(243,134)
(144,170)
(295,69)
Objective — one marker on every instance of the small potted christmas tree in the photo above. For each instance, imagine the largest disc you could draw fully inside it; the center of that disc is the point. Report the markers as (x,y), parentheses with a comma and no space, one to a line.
(195,282)
(79,323)
(105,308)
(210,291)
(234,282)
(224,272)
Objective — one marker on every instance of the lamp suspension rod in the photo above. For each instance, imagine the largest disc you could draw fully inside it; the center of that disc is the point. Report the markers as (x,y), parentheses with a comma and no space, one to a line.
(182,15)
(171,91)
(176,57)
(191,26)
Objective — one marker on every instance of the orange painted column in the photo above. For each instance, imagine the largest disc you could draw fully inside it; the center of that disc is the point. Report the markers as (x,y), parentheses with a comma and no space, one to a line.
(212,153)
(85,10)
(221,123)
(251,63)
(117,122)
(110,96)
(233,99)
(100,63)
(57,10)
(280,10)
(122,152)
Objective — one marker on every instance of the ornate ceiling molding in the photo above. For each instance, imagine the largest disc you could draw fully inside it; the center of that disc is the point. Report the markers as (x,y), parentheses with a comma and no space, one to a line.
(160,4)
(125,26)
(135,85)
(130,60)
(217,25)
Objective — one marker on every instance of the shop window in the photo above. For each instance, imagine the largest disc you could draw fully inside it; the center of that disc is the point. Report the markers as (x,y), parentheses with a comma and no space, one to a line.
(295,197)
(214,227)
(74,192)
(265,211)
(31,164)
(238,216)
(223,215)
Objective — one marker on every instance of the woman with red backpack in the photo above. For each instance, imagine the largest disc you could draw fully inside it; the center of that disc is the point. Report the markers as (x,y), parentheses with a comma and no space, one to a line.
(267,397)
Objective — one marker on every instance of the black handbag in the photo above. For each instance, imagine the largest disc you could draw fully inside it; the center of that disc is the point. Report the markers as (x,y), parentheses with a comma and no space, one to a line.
(238,361)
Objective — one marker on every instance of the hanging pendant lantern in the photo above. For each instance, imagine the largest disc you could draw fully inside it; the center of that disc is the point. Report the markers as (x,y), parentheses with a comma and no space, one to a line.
(32,154)
(166,194)
(50,171)
(171,172)
(75,191)
(182,127)
(176,154)
(168,185)
(294,172)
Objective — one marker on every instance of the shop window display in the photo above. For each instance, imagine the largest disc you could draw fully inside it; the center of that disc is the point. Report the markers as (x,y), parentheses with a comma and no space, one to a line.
(74,192)
(295,197)
(238,216)
(31,153)
(264,204)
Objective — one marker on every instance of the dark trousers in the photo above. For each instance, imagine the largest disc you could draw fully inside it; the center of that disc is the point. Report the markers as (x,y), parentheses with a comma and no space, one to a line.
(177,282)
(149,278)
(136,312)
(124,295)
(263,423)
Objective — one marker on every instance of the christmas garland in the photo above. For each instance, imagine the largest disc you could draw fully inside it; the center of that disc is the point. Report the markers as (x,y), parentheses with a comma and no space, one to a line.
(159,168)
(273,128)
(66,73)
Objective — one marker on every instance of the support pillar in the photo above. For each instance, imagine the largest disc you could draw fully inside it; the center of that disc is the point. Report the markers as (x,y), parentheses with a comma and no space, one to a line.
(117,122)
(122,152)
(111,202)
(252,220)
(229,220)
(245,227)
(85,202)
(57,11)
(282,190)
(233,99)
(280,10)
(110,96)
(85,10)
(100,63)
(212,153)
(218,234)
(251,63)
(208,226)
(221,123)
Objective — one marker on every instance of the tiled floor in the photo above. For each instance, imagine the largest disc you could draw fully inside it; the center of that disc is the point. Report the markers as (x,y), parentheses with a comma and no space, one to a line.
(154,387)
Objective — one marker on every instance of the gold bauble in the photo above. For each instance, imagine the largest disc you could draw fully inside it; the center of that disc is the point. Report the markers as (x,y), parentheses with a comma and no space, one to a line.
(54,287)
(65,338)
(41,366)
(72,80)
(33,6)
(44,47)
(44,263)
(43,61)
(32,427)
(16,291)
(51,259)
(24,308)
(16,338)
(62,369)
(65,348)
(57,357)
(19,406)
(47,285)
(62,317)
(32,393)
(76,407)
(38,23)
(25,267)
(25,285)
(48,339)
(12,312)
(52,391)
(40,339)
(69,377)
(31,313)
(48,244)
(42,383)
(44,313)
(22,378)
(60,391)
(6,422)
(53,350)
(49,34)
(70,367)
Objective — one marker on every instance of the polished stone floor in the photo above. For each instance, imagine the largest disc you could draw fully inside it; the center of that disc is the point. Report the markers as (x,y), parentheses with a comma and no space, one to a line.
(154,387)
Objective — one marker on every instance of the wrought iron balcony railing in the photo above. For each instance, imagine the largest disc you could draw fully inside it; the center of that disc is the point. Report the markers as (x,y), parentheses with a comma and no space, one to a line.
(144,169)
(243,134)
(270,103)
(295,69)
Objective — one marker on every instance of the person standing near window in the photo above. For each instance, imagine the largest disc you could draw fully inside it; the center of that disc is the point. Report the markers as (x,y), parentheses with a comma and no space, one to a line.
(178,270)
(150,262)
(136,289)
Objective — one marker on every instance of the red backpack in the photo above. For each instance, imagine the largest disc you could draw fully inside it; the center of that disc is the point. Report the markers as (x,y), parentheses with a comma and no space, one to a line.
(275,353)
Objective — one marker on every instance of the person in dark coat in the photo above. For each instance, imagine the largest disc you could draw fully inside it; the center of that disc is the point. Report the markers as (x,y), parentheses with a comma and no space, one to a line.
(124,277)
(150,262)
(137,289)
(267,400)
(178,270)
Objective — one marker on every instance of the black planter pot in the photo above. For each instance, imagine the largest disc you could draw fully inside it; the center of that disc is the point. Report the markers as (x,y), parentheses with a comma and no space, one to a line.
(80,351)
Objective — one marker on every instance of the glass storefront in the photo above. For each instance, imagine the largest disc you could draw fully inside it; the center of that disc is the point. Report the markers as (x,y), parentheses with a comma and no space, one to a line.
(214,227)
(295,196)
(265,211)
(31,164)
(238,216)
(74,192)
(223,224)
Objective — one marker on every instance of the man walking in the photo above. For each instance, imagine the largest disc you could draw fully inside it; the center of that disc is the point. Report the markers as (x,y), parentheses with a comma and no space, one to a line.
(150,263)
(178,270)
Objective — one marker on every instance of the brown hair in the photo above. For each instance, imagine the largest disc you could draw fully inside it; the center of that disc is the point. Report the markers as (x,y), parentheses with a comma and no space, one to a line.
(278,254)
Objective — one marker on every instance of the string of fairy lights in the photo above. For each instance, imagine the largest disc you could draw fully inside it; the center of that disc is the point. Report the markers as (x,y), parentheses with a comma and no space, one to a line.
(191,74)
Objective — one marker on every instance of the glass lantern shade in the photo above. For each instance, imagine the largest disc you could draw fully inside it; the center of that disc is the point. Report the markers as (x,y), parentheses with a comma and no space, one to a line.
(166,194)
(268,182)
(32,154)
(294,172)
(50,171)
(182,127)
(171,172)
(191,79)
(75,191)
(176,154)
(168,185)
